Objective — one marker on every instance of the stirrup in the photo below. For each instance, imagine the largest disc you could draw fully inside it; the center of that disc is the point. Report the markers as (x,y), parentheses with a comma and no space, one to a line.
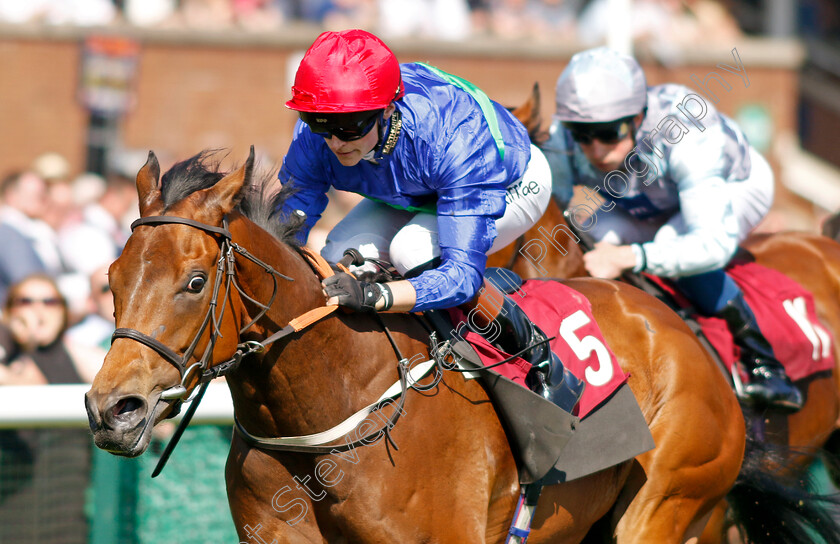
(759,392)
(566,394)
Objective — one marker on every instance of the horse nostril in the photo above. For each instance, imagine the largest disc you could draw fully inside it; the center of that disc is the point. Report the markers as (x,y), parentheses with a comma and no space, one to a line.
(125,407)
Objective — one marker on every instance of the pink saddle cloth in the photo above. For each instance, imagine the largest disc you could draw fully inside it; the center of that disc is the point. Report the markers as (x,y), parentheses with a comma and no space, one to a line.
(786,313)
(565,314)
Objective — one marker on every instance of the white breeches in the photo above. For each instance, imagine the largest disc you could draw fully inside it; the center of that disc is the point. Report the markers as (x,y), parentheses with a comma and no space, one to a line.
(409,239)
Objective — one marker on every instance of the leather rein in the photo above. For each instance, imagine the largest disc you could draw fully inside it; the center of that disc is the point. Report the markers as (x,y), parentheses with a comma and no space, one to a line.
(226,268)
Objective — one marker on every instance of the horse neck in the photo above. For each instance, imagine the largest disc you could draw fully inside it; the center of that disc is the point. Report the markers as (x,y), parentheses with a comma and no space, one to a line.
(563,256)
(300,384)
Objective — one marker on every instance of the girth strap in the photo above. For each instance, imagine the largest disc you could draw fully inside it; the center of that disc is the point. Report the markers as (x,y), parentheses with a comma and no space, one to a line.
(314,443)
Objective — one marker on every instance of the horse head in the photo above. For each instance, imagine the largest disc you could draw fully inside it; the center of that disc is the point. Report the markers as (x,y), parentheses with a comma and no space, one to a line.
(176,316)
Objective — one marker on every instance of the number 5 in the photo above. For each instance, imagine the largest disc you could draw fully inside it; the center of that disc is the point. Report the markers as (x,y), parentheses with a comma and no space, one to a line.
(584,347)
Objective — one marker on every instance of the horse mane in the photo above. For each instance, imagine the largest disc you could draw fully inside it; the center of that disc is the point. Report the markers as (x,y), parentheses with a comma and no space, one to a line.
(259,199)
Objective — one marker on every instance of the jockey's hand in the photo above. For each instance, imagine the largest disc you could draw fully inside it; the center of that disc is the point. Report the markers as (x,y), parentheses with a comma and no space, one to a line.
(345,290)
(608,261)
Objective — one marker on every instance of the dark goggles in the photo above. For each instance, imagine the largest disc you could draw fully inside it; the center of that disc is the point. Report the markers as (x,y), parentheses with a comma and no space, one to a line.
(344,126)
(608,133)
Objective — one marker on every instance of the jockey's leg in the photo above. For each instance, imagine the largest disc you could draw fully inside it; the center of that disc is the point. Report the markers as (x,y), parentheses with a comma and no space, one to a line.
(526,201)
(503,323)
(715,293)
(615,226)
(416,247)
(369,227)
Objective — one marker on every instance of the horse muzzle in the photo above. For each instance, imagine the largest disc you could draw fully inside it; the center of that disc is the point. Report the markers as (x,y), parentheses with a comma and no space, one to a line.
(121,424)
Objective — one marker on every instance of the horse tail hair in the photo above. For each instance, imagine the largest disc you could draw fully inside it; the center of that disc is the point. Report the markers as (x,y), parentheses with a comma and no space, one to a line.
(830,226)
(769,505)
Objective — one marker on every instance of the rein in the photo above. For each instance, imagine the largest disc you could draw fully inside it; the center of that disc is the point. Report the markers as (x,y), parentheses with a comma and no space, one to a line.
(226,267)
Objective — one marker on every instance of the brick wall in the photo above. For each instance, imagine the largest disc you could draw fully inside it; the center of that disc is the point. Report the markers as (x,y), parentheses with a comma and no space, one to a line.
(199,91)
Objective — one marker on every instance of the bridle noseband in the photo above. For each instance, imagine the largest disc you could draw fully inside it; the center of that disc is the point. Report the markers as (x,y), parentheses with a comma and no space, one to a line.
(225,267)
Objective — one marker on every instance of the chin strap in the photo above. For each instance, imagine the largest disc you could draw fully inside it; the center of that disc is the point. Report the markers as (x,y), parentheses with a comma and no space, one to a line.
(386,145)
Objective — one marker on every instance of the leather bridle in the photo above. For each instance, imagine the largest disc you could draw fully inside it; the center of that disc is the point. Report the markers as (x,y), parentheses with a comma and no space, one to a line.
(225,268)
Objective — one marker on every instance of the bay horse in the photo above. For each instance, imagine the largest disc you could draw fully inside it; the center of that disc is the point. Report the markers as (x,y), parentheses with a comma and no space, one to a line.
(209,269)
(811,260)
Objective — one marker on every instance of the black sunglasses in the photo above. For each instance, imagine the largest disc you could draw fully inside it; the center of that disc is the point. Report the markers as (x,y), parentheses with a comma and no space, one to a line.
(30,301)
(608,133)
(346,127)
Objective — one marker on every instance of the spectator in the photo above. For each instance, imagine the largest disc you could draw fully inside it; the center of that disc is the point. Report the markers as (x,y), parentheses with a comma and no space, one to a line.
(207,14)
(55,170)
(445,19)
(96,328)
(350,13)
(149,13)
(24,198)
(77,12)
(45,471)
(662,26)
(99,237)
(258,15)
(479,16)
(37,352)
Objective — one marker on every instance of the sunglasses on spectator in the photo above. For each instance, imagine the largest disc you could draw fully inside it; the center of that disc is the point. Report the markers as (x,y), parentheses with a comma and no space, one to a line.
(347,127)
(608,133)
(27,301)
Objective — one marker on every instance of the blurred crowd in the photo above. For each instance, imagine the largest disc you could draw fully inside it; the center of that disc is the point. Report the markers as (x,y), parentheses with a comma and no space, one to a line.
(660,21)
(61,233)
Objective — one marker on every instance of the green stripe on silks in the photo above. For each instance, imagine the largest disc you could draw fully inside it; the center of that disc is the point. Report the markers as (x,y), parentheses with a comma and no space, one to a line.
(431,207)
(483,101)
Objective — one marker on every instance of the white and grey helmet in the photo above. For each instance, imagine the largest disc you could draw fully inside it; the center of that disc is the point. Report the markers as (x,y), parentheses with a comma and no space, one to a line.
(600,85)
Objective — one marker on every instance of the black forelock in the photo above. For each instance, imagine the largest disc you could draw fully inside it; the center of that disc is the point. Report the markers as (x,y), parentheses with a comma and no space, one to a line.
(259,199)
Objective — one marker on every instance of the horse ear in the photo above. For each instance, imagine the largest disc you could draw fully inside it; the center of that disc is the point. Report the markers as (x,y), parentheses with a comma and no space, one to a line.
(148,188)
(225,192)
(530,115)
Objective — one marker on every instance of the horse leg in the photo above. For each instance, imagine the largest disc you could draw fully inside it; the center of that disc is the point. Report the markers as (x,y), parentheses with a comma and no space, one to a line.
(567,512)
(687,475)
(264,502)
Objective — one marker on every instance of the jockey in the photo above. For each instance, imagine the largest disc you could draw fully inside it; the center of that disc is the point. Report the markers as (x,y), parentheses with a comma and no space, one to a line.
(676,187)
(448,175)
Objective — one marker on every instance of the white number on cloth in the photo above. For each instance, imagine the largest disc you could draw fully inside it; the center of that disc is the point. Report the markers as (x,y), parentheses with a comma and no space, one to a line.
(797,311)
(584,347)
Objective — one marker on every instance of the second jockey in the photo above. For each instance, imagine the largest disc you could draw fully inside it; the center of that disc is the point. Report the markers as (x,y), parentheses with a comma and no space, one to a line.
(672,196)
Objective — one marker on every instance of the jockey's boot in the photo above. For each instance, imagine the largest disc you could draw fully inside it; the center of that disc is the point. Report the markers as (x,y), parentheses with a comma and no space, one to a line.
(769,384)
(512,331)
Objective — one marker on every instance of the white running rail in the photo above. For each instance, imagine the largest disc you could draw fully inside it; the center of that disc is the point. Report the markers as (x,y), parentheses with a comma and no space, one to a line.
(35,406)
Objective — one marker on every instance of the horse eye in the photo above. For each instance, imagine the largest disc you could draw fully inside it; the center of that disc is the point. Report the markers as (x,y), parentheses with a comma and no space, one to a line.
(196,284)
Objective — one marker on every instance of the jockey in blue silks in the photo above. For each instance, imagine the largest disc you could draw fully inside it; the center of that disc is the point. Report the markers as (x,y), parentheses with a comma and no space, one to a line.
(678,188)
(449,176)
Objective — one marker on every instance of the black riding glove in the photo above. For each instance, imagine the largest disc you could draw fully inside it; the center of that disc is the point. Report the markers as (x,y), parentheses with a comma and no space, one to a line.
(359,296)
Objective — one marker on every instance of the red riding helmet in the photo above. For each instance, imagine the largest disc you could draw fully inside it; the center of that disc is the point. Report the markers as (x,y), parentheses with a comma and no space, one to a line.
(346,71)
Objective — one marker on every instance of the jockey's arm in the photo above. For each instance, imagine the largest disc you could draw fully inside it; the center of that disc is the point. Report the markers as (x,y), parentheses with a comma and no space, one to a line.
(705,240)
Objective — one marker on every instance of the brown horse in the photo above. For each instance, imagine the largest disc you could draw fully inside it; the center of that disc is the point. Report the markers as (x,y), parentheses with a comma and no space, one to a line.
(192,286)
(551,249)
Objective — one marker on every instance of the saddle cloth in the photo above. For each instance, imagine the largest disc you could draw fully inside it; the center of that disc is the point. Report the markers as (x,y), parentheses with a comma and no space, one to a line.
(786,313)
(565,314)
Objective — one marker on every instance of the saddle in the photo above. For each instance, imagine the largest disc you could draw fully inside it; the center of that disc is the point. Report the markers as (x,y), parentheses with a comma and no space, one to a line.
(785,311)
(549,444)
